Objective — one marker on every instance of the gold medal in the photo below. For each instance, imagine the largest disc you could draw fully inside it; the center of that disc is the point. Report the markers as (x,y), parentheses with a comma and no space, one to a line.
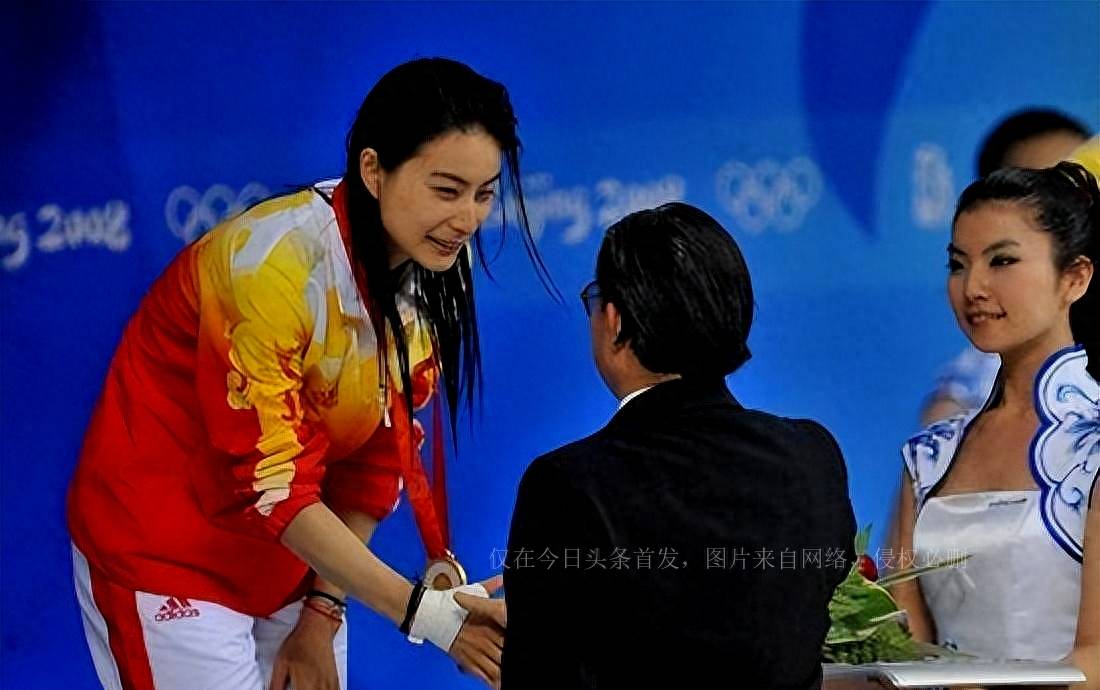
(444,573)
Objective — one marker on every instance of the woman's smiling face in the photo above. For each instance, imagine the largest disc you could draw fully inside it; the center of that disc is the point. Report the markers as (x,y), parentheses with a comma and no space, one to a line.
(1004,287)
(435,201)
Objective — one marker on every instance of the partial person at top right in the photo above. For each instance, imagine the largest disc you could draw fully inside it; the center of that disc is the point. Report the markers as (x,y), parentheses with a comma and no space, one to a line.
(1030,138)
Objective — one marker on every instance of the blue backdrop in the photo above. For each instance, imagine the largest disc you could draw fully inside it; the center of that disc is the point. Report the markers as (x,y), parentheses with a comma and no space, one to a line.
(829,138)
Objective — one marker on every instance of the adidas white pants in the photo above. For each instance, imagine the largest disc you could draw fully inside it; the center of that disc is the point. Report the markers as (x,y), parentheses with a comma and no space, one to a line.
(142,641)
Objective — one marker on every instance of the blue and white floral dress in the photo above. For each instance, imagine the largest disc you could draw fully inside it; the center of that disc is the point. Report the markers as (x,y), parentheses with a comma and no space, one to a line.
(1017,596)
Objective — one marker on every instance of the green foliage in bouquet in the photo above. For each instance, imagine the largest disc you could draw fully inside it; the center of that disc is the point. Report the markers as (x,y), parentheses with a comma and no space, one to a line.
(867,625)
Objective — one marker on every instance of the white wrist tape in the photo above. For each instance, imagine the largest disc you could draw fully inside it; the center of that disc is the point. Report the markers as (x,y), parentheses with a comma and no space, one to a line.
(439,617)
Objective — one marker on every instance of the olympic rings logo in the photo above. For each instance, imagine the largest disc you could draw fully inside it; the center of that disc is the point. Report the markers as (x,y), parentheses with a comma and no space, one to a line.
(189,214)
(769,194)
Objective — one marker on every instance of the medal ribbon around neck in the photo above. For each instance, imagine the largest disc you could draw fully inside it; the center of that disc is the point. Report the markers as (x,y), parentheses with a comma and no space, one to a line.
(428,500)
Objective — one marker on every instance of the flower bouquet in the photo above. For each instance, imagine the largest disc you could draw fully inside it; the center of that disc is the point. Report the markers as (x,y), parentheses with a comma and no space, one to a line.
(866,623)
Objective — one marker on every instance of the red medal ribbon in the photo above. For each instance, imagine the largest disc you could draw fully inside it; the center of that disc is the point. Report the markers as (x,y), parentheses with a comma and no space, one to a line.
(439,473)
(429,502)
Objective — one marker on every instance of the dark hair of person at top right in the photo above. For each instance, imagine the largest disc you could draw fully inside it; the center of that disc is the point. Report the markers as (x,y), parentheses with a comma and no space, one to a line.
(1021,126)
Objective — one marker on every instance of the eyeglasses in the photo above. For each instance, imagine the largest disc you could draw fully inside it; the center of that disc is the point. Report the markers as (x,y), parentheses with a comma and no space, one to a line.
(590,297)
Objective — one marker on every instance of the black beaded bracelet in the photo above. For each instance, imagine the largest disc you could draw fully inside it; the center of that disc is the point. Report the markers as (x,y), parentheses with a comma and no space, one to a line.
(411,607)
(336,601)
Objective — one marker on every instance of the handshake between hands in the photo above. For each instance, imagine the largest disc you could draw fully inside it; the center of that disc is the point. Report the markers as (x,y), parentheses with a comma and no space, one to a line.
(467,624)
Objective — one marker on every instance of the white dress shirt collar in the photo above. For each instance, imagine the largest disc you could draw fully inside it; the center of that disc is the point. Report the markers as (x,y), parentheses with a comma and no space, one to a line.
(630,396)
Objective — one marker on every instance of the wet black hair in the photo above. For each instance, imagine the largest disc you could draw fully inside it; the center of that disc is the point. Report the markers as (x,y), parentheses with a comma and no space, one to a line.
(411,105)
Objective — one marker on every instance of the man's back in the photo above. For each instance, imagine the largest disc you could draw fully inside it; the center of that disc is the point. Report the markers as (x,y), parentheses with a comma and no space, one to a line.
(688,539)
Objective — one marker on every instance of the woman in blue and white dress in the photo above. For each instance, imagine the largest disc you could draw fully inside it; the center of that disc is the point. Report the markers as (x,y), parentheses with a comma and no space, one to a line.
(1014,484)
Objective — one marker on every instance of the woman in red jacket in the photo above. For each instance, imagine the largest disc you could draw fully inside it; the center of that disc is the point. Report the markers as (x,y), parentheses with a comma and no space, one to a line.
(256,422)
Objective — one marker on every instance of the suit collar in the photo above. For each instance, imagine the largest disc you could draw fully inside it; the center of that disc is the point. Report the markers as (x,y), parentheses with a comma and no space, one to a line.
(658,401)
(633,394)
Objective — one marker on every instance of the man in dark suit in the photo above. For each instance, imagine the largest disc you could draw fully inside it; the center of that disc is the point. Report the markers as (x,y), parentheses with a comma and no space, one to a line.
(690,542)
